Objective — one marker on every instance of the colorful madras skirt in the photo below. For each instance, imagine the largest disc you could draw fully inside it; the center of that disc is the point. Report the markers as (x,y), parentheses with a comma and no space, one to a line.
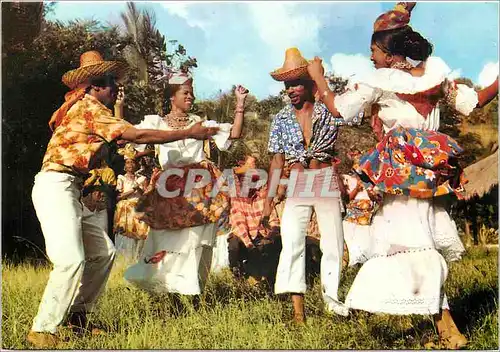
(413,162)
(198,208)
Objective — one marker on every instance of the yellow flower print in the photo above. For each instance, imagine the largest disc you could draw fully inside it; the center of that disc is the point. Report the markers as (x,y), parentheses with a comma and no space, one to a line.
(405,171)
(435,144)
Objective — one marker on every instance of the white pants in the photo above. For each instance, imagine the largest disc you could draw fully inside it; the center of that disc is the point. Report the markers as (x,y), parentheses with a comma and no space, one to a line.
(76,243)
(291,275)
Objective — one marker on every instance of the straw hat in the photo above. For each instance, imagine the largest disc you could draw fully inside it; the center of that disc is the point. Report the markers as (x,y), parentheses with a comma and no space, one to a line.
(294,67)
(93,65)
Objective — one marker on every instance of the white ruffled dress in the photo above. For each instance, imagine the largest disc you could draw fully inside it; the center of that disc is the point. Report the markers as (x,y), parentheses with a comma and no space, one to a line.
(405,271)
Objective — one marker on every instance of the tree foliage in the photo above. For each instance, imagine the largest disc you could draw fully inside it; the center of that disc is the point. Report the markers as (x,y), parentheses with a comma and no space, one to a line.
(145,51)
(21,23)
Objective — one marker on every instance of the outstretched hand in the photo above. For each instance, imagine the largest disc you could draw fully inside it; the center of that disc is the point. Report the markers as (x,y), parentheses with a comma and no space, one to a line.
(241,93)
(315,68)
(198,131)
(120,97)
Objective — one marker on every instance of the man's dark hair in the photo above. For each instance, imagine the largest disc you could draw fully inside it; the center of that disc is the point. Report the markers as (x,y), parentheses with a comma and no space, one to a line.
(102,81)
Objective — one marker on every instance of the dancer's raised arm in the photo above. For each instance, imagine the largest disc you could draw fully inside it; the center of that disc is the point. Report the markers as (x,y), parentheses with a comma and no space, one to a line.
(316,71)
(241,95)
(487,94)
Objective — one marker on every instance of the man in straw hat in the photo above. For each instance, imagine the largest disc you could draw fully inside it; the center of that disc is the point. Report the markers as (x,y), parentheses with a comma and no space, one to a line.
(81,252)
(303,136)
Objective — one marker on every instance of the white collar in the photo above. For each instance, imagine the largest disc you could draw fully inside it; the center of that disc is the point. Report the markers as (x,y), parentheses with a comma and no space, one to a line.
(398,81)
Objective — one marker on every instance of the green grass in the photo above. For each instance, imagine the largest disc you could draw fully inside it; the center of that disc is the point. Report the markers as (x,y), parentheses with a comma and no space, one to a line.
(233,315)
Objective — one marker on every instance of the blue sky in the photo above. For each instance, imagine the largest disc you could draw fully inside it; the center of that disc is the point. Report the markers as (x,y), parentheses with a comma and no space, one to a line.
(241,42)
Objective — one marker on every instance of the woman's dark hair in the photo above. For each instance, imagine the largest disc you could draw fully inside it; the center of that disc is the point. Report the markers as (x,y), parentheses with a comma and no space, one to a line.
(169,92)
(403,41)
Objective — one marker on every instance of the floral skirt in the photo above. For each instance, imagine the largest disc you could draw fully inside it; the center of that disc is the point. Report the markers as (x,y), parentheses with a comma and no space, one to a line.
(199,208)
(127,222)
(413,162)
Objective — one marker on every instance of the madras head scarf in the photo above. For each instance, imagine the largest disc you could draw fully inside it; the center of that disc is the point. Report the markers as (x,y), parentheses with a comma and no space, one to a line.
(397,18)
(128,152)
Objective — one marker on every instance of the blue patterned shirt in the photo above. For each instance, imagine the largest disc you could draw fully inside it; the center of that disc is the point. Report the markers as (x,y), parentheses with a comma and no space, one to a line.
(286,135)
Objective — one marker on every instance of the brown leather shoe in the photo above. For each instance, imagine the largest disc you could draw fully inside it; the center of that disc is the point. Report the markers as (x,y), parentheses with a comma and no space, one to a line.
(43,340)
(450,337)
(79,324)
(453,342)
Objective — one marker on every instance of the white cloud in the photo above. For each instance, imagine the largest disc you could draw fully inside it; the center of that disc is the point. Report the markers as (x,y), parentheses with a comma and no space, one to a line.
(488,74)
(353,67)
(456,73)
(177,8)
(183,10)
(223,77)
(284,25)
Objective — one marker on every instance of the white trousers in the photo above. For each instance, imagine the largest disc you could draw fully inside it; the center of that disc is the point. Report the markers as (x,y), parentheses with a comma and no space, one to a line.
(291,275)
(76,243)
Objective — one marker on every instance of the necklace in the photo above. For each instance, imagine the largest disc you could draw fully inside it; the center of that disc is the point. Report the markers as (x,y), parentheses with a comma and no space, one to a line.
(177,121)
(402,65)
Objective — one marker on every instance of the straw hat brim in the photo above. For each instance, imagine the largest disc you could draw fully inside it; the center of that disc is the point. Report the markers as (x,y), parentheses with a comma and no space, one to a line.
(290,75)
(74,77)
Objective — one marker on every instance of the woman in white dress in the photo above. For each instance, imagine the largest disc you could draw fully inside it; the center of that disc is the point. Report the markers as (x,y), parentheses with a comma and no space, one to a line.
(412,165)
(177,253)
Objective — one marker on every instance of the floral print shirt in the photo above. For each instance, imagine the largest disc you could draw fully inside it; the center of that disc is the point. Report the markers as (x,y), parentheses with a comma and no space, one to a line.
(286,135)
(80,135)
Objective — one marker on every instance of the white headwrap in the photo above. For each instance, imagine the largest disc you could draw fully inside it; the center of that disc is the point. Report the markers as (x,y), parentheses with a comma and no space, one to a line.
(173,76)
(179,78)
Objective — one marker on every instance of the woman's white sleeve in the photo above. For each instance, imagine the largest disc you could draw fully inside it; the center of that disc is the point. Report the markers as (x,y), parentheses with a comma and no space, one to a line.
(355,100)
(149,122)
(221,139)
(466,99)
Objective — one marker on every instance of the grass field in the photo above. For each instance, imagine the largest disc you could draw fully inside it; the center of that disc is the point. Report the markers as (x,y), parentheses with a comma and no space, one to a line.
(234,315)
